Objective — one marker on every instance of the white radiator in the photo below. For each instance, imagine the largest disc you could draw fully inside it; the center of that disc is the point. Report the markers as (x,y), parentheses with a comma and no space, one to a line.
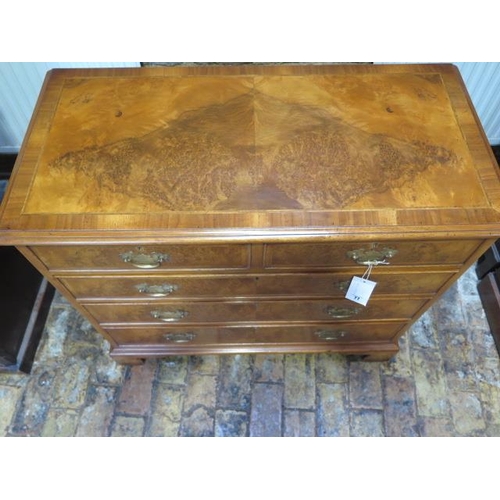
(483,83)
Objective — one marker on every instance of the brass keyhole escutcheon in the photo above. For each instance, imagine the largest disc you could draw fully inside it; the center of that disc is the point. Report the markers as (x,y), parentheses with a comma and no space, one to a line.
(343,286)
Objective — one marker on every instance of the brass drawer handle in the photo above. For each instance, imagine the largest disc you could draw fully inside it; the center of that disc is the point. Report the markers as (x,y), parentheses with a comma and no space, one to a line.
(342,312)
(330,334)
(343,286)
(144,261)
(156,290)
(169,316)
(180,338)
(367,257)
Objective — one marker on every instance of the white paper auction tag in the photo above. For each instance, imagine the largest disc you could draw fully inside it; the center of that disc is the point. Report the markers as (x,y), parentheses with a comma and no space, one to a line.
(360,290)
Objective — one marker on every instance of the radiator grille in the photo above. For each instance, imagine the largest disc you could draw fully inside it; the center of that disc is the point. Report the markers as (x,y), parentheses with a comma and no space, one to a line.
(483,83)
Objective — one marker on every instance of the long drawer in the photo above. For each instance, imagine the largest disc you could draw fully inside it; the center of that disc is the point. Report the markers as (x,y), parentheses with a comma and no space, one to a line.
(149,286)
(126,258)
(263,311)
(395,253)
(348,332)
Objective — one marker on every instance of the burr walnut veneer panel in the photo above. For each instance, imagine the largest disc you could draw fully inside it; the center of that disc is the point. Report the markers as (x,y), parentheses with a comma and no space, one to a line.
(151,287)
(226,209)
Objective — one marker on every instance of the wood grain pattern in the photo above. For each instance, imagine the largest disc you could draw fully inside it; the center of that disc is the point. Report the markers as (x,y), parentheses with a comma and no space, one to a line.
(98,257)
(314,255)
(120,287)
(247,312)
(239,152)
(217,337)
(217,143)
(245,190)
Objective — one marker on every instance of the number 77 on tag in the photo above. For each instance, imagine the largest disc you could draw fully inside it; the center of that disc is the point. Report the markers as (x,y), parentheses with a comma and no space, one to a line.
(360,290)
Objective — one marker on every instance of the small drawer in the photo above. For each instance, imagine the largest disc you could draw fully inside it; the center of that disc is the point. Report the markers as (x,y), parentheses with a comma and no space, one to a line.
(153,286)
(327,334)
(127,258)
(393,253)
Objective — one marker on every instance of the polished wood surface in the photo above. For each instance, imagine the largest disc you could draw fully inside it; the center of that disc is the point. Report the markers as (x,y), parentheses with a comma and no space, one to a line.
(308,150)
(151,287)
(314,335)
(250,312)
(226,209)
(240,142)
(338,254)
(115,258)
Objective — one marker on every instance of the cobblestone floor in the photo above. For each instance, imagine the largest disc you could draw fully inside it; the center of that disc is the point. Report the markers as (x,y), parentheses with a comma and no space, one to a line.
(444,382)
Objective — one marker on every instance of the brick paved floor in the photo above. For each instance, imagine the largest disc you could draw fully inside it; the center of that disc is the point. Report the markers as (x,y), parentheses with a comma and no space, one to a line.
(444,382)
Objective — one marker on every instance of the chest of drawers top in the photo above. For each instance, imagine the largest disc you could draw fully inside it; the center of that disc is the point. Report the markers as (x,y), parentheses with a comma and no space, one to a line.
(252,153)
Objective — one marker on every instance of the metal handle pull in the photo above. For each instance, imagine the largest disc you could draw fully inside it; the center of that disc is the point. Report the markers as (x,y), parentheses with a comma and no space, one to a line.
(156,290)
(373,257)
(342,285)
(330,334)
(169,316)
(180,338)
(342,312)
(144,261)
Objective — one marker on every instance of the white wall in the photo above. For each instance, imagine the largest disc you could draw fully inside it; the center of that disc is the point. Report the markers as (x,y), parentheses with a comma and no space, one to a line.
(20,84)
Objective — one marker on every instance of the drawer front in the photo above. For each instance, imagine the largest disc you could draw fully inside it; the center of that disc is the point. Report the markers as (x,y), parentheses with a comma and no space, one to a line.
(161,257)
(174,313)
(336,310)
(265,311)
(396,253)
(157,287)
(349,332)
(336,284)
(304,285)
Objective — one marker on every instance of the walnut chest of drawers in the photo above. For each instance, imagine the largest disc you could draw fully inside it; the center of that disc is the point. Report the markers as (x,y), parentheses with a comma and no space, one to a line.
(227,209)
